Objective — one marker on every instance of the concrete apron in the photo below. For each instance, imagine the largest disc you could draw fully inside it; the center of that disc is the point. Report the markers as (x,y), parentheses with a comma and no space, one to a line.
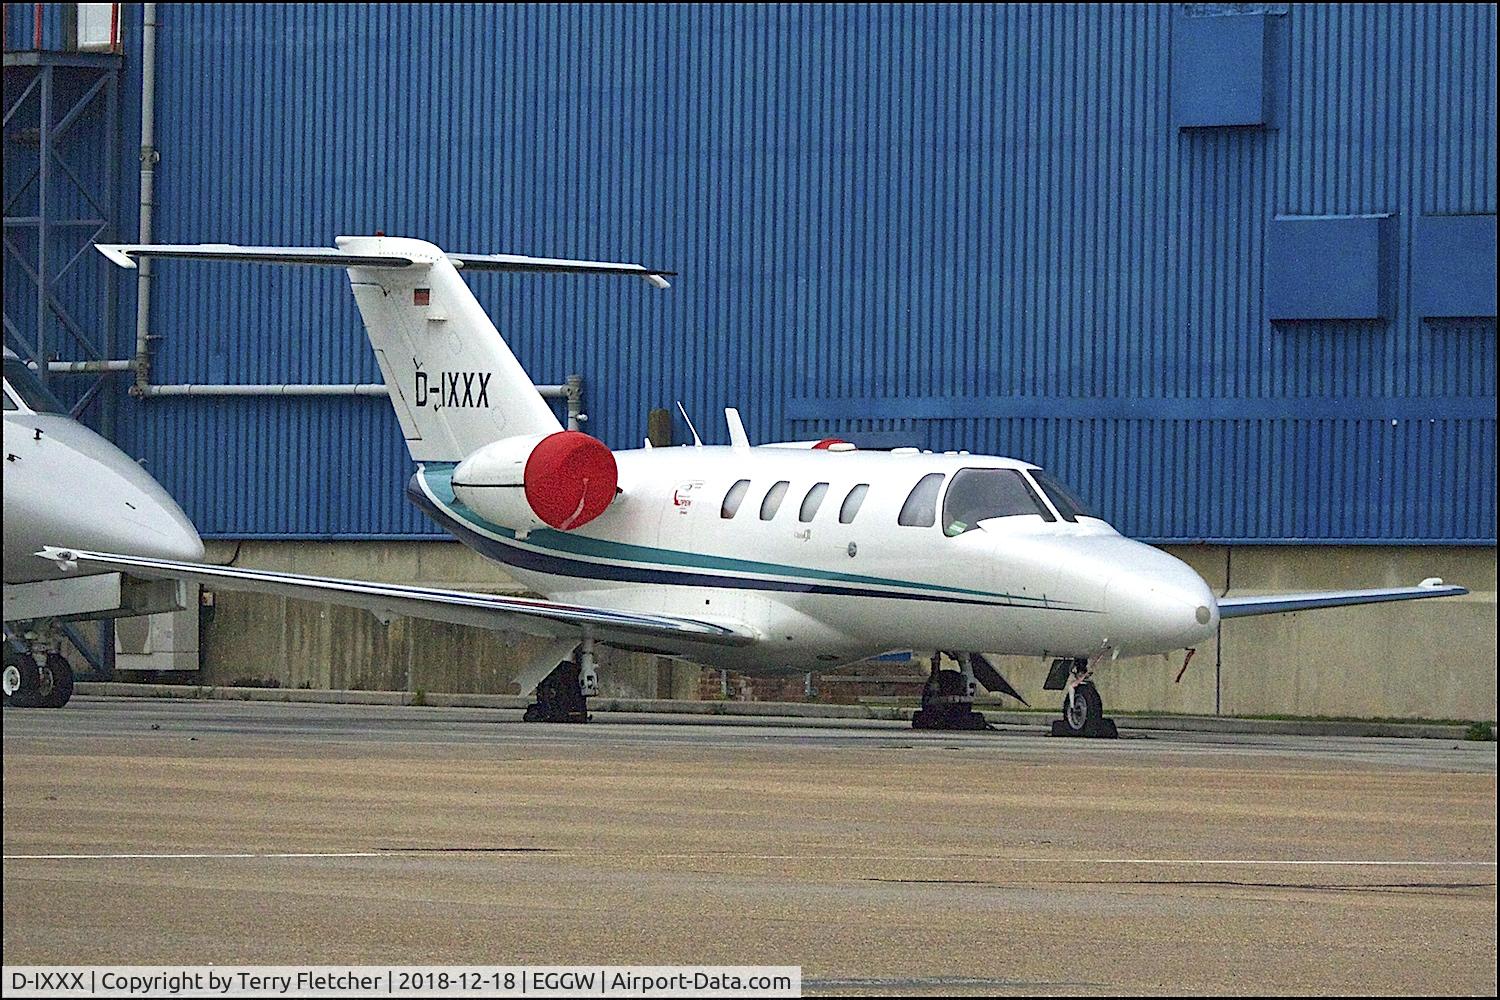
(768,713)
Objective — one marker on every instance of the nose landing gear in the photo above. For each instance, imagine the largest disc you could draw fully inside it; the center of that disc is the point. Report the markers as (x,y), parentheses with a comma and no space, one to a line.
(1082,707)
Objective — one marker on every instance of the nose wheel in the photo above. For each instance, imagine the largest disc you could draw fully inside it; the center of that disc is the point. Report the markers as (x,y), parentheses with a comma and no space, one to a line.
(1082,707)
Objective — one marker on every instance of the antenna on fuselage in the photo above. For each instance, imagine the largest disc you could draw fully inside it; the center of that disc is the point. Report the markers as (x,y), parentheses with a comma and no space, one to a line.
(697,441)
(737,436)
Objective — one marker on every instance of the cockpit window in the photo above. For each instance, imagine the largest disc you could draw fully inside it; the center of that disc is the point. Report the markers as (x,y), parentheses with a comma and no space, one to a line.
(29,389)
(920,509)
(733,499)
(850,507)
(979,494)
(10,404)
(1067,503)
(772,503)
(812,502)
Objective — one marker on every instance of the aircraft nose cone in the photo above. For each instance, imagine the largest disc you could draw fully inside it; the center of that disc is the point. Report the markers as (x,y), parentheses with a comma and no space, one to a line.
(98,498)
(164,532)
(1161,608)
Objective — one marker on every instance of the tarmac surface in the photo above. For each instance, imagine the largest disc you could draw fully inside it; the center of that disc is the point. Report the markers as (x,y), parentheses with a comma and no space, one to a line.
(879,859)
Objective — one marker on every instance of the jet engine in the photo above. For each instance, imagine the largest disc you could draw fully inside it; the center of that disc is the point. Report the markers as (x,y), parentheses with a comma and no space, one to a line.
(561,480)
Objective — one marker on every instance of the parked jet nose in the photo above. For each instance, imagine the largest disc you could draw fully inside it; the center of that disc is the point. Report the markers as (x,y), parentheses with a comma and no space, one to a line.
(69,487)
(1159,605)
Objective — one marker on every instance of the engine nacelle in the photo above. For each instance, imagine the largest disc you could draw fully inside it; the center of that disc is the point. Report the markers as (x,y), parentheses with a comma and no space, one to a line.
(561,480)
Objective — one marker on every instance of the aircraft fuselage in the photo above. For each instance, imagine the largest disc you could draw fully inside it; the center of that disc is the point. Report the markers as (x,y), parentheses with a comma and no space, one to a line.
(824,586)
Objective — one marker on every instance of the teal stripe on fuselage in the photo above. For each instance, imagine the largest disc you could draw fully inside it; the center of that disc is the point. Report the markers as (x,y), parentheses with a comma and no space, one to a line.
(439,479)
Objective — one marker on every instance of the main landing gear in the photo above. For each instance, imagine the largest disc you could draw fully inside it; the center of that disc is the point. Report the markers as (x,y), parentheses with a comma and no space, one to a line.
(1082,708)
(948,695)
(36,674)
(563,695)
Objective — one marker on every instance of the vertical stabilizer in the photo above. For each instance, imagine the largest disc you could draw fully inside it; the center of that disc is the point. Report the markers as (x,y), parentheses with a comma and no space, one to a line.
(454,383)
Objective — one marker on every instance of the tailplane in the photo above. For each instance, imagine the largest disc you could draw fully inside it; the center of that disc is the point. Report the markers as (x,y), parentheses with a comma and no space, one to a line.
(453,381)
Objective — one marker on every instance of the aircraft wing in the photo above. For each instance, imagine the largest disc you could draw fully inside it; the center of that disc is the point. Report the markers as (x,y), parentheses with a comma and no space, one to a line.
(1270,604)
(547,619)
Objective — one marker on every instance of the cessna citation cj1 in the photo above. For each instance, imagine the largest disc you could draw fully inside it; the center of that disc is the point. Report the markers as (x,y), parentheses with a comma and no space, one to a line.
(768,559)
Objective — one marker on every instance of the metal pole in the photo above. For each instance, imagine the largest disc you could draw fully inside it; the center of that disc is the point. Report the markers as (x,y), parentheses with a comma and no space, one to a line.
(149,157)
(289,389)
(79,367)
(43,219)
(110,342)
(573,390)
(568,392)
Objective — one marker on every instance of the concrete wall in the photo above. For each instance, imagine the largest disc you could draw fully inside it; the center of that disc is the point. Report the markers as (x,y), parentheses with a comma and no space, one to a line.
(258,639)
(1423,659)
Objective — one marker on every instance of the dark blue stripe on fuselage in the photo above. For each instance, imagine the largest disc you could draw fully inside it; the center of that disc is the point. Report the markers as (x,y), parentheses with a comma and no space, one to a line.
(542,562)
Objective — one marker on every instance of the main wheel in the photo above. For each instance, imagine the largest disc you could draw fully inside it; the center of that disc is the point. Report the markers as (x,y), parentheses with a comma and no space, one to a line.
(944,687)
(55,682)
(21,680)
(1082,712)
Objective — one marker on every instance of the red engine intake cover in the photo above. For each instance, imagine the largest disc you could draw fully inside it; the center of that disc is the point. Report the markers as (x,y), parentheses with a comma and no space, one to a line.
(570,479)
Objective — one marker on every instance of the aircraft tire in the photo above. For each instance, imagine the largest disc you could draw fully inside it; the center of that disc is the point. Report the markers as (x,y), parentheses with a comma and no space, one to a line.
(1086,712)
(60,690)
(25,695)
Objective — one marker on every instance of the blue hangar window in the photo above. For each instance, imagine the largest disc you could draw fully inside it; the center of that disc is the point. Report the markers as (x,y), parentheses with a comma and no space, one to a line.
(1223,69)
(1327,267)
(1453,266)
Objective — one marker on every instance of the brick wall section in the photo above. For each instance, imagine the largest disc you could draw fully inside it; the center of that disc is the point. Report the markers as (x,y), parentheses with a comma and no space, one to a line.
(843,686)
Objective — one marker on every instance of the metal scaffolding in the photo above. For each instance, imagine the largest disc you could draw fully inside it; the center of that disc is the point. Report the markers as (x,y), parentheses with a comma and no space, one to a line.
(62,150)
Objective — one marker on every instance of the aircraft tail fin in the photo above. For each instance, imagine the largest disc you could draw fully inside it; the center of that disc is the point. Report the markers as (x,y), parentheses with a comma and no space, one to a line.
(452,380)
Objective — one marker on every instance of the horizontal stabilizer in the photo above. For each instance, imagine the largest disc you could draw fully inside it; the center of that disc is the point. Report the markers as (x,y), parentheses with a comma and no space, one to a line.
(547,619)
(126,254)
(1270,604)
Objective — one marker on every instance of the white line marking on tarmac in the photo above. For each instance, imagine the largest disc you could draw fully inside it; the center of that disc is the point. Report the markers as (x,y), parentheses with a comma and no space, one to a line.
(194,856)
(545,853)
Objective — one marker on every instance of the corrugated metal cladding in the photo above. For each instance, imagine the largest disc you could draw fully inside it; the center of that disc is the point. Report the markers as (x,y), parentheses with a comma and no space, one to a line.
(961,227)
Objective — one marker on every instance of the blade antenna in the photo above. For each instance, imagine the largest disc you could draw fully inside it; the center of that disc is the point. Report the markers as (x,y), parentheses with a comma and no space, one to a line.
(697,441)
(737,436)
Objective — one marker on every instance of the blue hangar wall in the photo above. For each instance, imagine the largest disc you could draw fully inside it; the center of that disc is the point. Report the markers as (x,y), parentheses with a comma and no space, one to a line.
(1229,269)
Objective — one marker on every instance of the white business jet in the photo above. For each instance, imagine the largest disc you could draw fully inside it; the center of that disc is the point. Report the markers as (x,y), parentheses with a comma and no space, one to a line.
(66,484)
(768,559)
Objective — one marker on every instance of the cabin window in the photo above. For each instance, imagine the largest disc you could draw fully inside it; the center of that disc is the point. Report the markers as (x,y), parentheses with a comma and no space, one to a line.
(733,499)
(920,509)
(979,494)
(851,504)
(772,503)
(10,404)
(812,502)
(1067,503)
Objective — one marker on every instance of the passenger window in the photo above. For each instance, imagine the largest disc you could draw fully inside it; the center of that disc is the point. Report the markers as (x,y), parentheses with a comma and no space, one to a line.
(812,502)
(1067,503)
(772,503)
(920,509)
(850,507)
(979,494)
(734,498)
